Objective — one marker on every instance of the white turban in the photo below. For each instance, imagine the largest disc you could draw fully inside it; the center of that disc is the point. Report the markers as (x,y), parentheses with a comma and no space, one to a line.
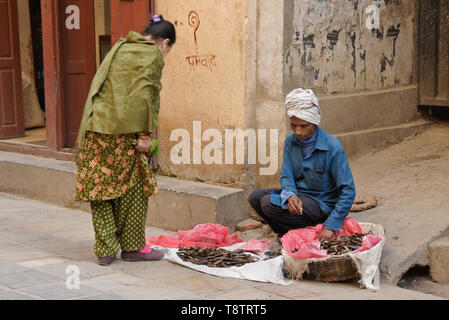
(303,104)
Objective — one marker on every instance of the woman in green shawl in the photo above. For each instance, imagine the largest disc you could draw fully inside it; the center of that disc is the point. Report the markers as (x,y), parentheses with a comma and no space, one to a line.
(114,144)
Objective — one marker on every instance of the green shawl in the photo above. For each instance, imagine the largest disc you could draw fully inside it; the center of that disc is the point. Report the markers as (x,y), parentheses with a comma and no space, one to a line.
(124,94)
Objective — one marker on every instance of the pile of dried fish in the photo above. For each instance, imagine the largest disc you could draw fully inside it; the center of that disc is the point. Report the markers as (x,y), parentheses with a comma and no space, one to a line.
(342,244)
(215,257)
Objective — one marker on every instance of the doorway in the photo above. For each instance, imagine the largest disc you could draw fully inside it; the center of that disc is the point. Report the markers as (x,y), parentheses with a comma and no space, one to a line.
(27,29)
(33,73)
(434,53)
(79,52)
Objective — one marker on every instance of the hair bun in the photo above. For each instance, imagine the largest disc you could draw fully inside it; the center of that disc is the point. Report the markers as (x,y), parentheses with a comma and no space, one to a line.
(157,18)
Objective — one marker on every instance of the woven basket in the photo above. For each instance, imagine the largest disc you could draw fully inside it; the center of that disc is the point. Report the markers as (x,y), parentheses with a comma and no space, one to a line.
(331,269)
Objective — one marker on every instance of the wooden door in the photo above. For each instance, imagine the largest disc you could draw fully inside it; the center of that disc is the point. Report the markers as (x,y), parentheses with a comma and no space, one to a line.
(434,53)
(129,15)
(11,103)
(78,61)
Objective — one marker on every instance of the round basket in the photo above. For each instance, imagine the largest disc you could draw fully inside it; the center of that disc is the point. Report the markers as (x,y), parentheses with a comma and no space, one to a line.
(330,269)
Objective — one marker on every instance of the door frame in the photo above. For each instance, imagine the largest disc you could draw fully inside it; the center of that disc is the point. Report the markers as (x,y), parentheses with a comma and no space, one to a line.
(53,26)
(52,40)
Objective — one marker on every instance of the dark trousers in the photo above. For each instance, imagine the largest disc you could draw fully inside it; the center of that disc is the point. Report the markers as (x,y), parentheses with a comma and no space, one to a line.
(281,220)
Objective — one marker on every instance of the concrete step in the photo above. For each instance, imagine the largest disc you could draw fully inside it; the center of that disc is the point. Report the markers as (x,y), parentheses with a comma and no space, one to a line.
(369,110)
(359,143)
(439,260)
(180,204)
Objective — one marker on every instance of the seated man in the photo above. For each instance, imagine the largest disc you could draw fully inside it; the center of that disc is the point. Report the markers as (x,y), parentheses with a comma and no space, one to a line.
(316,181)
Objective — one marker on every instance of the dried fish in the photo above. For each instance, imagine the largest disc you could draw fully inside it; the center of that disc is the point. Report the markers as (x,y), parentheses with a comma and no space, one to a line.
(214,257)
(342,244)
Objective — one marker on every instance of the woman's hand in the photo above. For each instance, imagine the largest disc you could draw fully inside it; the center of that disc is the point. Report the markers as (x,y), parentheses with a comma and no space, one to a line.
(144,144)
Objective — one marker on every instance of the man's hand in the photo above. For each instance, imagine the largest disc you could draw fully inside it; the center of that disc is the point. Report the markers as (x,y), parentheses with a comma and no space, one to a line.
(295,205)
(144,145)
(326,234)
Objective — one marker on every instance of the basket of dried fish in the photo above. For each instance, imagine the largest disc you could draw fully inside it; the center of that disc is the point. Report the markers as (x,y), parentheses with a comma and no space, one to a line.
(343,260)
(337,267)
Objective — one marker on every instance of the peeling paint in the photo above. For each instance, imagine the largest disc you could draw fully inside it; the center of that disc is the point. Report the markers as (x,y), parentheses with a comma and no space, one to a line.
(332,37)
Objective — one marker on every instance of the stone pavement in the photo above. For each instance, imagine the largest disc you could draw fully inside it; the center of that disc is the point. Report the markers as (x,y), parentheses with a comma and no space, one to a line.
(42,246)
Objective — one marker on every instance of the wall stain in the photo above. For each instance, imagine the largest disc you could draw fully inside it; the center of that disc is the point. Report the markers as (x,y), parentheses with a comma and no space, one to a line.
(383,62)
(308,41)
(290,65)
(393,2)
(354,62)
(363,58)
(382,80)
(297,35)
(325,48)
(333,38)
(394,33)
(379,34)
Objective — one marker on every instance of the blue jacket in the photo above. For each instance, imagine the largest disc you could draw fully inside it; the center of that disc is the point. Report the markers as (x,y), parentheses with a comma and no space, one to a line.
(324,176)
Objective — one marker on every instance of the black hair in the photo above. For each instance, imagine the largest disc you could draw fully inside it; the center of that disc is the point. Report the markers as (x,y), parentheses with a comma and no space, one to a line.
(162,29)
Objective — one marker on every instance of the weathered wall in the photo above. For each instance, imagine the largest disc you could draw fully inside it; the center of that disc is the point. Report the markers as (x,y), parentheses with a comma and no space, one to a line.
(269,110)
(204,80)
(354,69)
(260,50)
(364,78)
(333,51)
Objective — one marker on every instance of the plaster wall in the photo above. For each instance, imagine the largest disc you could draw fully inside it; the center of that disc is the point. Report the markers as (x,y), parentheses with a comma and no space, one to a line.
(269,107)
(364,78)
(358,56)
(335,46)
(204,80)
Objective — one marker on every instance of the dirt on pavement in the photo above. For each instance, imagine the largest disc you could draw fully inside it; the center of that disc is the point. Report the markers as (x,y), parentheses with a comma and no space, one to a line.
(410,183)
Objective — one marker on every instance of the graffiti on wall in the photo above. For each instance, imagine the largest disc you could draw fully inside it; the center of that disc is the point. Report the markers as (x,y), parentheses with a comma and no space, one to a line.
(199,61)
(194,22)
(339,47)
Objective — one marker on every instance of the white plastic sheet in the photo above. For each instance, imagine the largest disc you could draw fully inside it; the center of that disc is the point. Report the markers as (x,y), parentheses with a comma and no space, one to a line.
(265,270)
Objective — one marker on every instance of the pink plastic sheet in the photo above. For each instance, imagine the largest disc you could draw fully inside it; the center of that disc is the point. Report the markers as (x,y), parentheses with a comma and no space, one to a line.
(303,243)
(256,245)
(204,235)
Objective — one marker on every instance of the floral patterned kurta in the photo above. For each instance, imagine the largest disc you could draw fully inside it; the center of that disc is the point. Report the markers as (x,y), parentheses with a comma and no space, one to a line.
(110,165)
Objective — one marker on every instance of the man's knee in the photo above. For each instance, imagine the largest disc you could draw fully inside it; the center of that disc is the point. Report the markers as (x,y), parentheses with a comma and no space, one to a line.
(255,197)
(267,207)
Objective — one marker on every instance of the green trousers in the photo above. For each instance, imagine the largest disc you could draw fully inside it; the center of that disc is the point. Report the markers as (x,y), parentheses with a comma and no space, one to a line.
(120,223)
